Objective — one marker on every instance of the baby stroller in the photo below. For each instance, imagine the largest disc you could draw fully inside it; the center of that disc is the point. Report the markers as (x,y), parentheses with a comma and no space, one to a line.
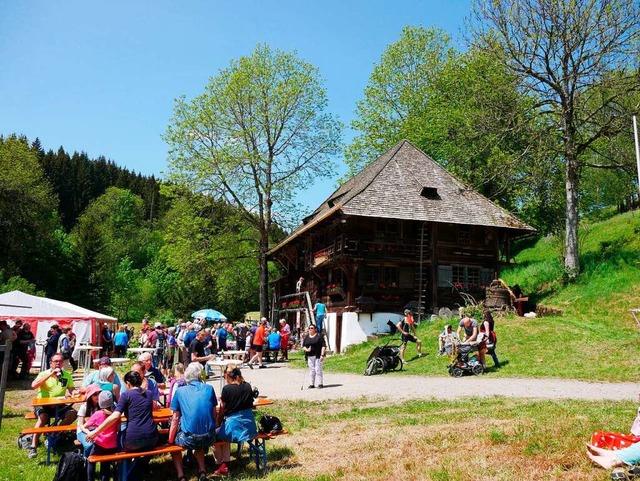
(462,361)
(384,358)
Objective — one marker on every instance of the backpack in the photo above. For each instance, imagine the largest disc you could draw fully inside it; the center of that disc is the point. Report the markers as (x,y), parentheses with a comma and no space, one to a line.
(160,343)
(24,441)
(65,347)
(71,467)
(270,424)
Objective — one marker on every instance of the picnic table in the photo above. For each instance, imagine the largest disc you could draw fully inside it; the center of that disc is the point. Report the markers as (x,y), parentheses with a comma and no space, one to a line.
(53,431)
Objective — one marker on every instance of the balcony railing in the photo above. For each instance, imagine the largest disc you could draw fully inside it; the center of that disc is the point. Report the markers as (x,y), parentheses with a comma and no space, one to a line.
(365,248)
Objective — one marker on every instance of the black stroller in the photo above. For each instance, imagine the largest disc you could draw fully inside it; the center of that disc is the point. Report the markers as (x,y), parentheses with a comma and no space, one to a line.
(384,358)
(462,361)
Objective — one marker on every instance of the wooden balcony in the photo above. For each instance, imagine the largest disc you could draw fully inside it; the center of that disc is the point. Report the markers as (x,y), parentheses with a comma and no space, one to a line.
(365,248)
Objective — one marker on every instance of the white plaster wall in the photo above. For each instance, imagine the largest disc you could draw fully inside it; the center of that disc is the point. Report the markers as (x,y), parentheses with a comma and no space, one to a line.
(356,327)
(330,329)
(352,332)
(380,321)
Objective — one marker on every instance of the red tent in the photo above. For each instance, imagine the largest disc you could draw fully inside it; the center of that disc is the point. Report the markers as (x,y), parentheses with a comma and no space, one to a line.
(41,313)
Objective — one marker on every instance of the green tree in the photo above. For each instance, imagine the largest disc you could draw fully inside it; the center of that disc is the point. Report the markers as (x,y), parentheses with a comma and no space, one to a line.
(213,251)
(257,133)
(579,59)
(28,213)
(111,229)
(396,98)
(464,109)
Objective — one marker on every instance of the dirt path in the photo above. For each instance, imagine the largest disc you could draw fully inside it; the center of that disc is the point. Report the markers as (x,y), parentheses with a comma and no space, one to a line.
(282,382)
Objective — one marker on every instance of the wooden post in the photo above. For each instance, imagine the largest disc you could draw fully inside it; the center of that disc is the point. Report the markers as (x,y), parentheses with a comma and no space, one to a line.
(6,351)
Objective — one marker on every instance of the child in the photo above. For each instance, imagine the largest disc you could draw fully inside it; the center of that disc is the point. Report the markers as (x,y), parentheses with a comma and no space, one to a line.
(177,380)
(107,441)
(446,339)
(85,412)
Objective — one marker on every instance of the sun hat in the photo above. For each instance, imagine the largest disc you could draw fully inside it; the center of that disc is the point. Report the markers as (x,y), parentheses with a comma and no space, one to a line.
(105,400)
(105,360)
(91,390)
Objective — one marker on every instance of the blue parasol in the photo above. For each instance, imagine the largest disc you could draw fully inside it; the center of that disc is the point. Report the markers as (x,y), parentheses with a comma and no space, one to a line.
(209,315)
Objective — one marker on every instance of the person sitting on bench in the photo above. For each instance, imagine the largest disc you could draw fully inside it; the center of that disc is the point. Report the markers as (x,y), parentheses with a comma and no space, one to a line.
(193,424)
(235,416)
(141,433)
(53,382)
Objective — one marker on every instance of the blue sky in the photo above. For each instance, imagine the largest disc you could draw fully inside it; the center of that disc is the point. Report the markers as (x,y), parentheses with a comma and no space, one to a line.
(101,77)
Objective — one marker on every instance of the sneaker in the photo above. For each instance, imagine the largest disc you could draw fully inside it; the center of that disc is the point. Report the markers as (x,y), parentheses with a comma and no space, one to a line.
(311,386)
(320,386)
(223,470)
(32,452)
(250,365)
(420,355)
(262,366)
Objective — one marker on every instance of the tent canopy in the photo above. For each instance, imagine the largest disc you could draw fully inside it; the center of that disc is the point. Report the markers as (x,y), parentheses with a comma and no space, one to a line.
(42,313)
(26,306)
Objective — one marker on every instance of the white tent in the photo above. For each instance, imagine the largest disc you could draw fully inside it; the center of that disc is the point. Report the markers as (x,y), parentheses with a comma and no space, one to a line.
(41,313)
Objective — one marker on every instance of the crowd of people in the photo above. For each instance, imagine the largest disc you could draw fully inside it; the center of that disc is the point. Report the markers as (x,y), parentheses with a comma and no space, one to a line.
(196,341)
(199,416)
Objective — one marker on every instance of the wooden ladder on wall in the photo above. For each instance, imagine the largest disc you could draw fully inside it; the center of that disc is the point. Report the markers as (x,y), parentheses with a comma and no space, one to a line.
(420,280)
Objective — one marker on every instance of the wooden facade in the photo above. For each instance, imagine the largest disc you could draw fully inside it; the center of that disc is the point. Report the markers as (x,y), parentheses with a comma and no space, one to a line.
(401,233)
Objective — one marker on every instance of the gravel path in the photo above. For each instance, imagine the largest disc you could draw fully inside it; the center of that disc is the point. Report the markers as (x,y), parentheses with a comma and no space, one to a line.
(280,381)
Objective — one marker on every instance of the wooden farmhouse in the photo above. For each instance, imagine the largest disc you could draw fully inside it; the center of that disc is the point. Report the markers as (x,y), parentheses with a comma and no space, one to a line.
(402,233)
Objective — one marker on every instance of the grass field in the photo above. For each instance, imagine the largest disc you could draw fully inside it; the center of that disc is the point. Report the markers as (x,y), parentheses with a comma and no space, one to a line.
(483,439)
(472,439)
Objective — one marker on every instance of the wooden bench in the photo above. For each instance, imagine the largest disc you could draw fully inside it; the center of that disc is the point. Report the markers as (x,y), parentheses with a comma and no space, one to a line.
(270,355)
(67,428)
(52,433)
(125,457)
(258,449)
(30,415)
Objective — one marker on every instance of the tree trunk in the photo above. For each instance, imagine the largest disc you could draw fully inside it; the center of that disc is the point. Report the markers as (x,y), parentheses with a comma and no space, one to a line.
(571,259)
(264,275)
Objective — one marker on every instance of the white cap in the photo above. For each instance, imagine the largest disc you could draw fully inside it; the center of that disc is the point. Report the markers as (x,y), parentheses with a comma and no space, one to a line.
(158,324)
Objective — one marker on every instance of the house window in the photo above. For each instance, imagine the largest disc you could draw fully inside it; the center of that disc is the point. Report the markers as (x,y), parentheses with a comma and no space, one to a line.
(371,276)
(445,276)
(465,278)
(458,277)
(464,234)
(390,276)
(473,278)
(386,230)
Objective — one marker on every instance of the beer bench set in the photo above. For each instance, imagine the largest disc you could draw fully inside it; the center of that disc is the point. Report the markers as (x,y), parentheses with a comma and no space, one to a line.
(257,450)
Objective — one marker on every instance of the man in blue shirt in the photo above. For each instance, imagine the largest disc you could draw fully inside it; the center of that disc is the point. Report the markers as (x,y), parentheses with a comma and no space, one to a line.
(193,424)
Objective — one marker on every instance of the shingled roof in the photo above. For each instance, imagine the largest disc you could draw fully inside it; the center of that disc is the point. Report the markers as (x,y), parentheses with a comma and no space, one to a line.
(405,183)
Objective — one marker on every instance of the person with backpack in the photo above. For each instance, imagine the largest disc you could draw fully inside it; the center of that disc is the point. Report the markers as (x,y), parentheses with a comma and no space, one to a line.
(240,333)
(407,328)
(66,349)
(158,340)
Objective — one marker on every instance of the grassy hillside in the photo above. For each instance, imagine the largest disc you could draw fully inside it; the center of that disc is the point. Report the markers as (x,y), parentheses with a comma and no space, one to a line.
(595,339)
